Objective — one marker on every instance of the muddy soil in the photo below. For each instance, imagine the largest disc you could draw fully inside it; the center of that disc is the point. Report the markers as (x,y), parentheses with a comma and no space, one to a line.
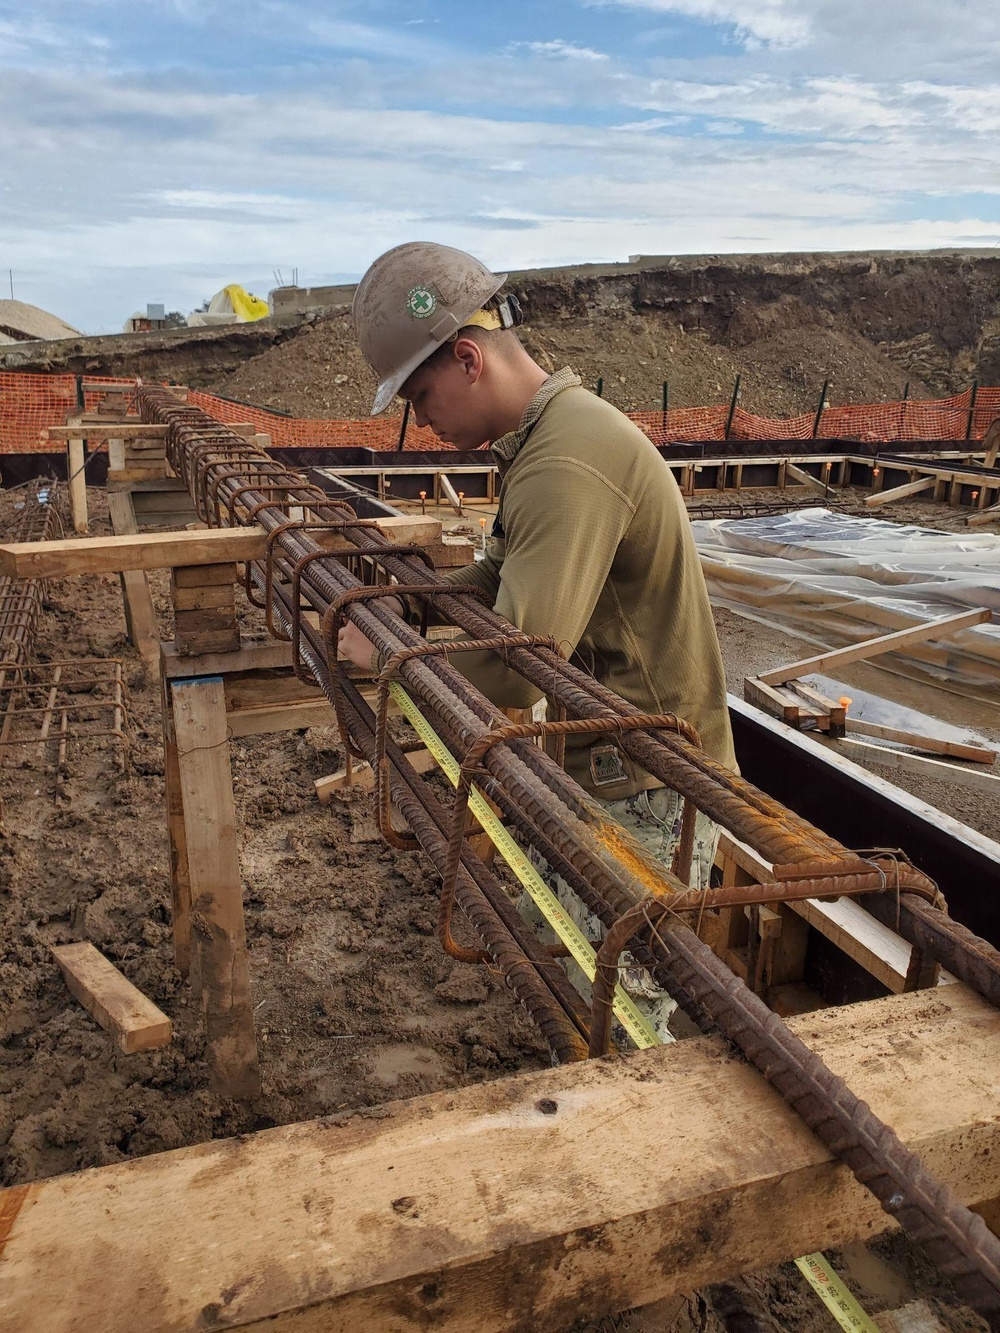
(355,1002)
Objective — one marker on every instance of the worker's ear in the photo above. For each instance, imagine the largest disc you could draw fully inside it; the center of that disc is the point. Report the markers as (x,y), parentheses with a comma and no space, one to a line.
(469,356)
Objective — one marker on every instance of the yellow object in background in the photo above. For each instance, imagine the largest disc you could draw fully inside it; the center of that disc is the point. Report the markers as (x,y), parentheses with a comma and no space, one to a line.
(246,306)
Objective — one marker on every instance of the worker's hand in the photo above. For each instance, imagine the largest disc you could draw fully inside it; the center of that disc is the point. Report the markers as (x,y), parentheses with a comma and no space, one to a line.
(353,646)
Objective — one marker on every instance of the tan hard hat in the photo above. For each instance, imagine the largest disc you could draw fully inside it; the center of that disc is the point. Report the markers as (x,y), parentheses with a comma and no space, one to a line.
(411,300)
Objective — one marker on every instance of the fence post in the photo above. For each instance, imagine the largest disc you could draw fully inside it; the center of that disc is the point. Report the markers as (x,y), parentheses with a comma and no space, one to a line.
(600,386)
(732,407)
(402,430)
(972,409)
(666,402)
(819,409)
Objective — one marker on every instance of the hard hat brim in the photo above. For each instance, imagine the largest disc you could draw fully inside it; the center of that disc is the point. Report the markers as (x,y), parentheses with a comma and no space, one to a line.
(392,384)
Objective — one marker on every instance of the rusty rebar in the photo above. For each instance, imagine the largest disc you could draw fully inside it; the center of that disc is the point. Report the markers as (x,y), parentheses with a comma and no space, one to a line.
(569,830)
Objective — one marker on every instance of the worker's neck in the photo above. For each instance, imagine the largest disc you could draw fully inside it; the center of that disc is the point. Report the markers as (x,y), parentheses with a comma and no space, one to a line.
(517,382)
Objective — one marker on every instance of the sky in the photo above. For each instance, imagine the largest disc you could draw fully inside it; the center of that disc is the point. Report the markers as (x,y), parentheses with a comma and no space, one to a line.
(156,150)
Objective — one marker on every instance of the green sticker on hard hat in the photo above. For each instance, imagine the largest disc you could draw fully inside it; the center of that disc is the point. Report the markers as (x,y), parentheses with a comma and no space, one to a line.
(421,302)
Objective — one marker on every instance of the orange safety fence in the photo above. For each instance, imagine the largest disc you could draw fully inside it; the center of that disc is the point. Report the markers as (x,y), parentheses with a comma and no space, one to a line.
(29,403)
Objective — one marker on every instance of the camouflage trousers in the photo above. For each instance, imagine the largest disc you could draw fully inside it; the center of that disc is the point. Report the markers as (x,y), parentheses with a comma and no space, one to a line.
(654,819)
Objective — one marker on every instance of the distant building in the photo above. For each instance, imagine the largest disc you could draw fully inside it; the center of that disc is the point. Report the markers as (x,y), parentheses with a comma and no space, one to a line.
(21,323)
(154,318)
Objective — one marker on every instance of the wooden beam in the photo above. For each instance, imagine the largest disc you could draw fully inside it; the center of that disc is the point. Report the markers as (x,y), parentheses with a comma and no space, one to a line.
(876,948)
(250,657)
(107,430)
(180,874)
(900,492)
(450,493)
(363,777)
(956,749)
(217,925)
(805,478)
(76,461)
(991,444)
(524,1202)
(972,778)
(135,1023)
(164,550)
(146,550)
(140,615)
(858,652)
(281,717)
(991,515)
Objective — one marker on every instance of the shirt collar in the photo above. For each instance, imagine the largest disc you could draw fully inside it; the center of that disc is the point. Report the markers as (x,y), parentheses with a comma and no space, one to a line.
(508,446)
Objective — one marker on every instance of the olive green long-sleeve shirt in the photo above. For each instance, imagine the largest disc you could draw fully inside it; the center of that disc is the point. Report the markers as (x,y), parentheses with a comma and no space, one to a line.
(592,546)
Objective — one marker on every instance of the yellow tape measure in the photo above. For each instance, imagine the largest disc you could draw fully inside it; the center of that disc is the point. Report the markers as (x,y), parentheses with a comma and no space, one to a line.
(834,1295)
(625,1009)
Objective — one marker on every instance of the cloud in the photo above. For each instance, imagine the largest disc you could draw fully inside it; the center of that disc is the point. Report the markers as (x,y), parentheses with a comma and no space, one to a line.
(557,49)
(779,23)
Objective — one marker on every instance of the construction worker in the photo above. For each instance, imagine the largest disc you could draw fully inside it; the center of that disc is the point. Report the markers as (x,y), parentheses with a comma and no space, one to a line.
(591,544)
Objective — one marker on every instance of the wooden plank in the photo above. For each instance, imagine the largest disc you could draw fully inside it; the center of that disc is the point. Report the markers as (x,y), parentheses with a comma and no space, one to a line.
(156,486)
(957,749)
(755,691)
(362,776)
(218,928)
(180,875)
(805,478)
(834,713)
(991,515)
(857,652)
(412,528)
(135,1023)
(106,430)
(518,1203)
(250,657)
(164,550)
(450,493)
(146,550)
(76,458)
(140,614)
(971,778)
(204,576)
(991,444)
(900,492)
(216,597)
(876,948)
(282,717)
(204,642)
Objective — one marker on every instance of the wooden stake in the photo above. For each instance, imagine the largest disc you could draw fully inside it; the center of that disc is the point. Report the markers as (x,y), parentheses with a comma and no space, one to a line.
(180,875)
(75,462)
(218,929)
(140,617)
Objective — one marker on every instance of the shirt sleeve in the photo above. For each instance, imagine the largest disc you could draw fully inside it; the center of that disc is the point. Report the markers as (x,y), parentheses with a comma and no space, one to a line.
(563,524)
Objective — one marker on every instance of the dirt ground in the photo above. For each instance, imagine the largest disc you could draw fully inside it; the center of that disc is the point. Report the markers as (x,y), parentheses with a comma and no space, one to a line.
(355,1002)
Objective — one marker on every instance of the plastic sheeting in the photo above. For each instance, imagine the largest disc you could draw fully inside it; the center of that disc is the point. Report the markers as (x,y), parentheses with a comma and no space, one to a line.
(233,305)
(837,580)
